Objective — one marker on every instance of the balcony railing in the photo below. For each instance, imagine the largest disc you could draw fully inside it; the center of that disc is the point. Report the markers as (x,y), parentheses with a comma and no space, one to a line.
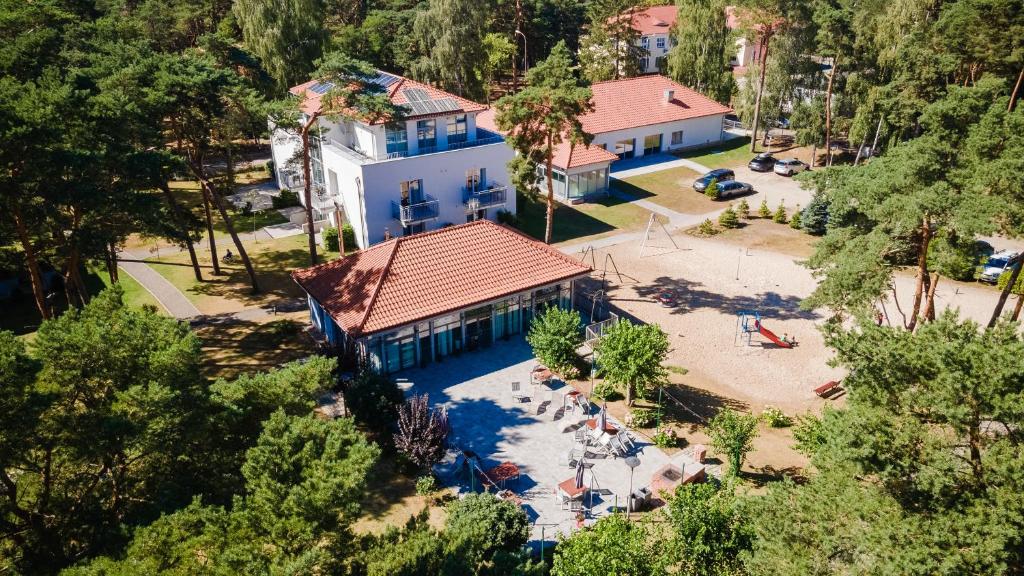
(483,139)
(351,153)
(422,211)
(476,198)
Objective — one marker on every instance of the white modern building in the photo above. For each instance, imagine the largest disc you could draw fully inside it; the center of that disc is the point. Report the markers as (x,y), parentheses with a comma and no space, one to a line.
(434,169)
(632,117)
(654,24)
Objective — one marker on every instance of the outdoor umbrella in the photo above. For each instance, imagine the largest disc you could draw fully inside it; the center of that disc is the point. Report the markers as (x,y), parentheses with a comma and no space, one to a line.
(579,473)
(602,417)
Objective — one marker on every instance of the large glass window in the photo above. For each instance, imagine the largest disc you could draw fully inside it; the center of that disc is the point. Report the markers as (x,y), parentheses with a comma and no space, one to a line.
(660,42)
(412,192)
(677,137)
(426,135)
(447,336)
(397,138)
(457,129)
(625,148)
(478,327)
(652,144)
(400,352)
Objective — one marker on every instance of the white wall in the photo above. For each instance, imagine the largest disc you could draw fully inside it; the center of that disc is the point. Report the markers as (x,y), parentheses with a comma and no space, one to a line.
(653,52)
(283,146)
(701,131)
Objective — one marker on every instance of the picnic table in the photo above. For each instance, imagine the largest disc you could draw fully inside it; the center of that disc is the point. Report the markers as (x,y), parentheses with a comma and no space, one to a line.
(502,472)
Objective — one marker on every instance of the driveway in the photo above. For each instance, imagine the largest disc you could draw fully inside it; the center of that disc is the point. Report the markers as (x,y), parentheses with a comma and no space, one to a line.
(476,389)
(774,188)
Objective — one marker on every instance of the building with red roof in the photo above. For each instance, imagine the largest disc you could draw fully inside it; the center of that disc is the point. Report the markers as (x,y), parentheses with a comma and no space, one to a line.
(632,117)
(434,168)
(413,300)
(655,23)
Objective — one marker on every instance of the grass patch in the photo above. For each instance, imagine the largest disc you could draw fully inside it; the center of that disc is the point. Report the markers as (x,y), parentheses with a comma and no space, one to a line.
(731,153)
(232,347)
(601,217)
(135,294)
(672,188)
(677,370)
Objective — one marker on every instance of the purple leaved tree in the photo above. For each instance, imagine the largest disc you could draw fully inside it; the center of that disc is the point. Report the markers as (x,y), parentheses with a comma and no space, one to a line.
(422,431)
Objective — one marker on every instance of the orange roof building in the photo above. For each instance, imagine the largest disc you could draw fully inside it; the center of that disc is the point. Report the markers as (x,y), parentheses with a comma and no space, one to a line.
(415,299)
(632,117)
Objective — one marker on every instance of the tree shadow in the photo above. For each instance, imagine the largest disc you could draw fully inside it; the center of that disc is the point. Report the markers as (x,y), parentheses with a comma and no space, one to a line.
(694,407)
(769,474)
(632,191)
(690,296)
(232,346)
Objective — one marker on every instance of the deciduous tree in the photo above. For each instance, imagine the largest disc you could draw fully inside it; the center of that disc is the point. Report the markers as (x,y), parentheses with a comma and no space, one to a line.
(699,59)
(630,357)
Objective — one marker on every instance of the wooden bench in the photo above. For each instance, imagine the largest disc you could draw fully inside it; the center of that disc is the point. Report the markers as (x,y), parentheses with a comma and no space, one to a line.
(828,388)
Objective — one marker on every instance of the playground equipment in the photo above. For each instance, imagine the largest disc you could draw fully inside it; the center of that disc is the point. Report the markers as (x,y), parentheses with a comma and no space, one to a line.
(647,233)
(748,322)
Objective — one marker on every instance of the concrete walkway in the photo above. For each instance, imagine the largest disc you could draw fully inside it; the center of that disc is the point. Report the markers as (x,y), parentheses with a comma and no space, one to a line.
(176,304)
(654,163)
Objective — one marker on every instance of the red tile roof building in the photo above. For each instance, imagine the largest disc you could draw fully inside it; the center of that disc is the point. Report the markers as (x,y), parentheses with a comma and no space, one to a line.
(399,288)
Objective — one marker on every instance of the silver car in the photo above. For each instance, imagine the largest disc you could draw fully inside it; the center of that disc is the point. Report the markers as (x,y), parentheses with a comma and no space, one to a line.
(790,166)
(733,188)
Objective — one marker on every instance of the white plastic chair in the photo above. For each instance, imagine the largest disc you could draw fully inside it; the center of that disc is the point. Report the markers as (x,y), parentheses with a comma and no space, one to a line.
(518,393)
(625,440)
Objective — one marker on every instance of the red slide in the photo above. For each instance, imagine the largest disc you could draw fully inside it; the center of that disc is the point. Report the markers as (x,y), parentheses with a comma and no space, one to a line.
(771,336)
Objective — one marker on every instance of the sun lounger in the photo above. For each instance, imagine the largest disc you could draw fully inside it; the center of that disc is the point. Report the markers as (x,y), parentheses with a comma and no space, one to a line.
(518,393)
(625,441)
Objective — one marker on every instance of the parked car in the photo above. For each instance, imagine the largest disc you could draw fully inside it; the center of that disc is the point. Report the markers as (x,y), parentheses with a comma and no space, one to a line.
(733,188)
(790,166)
(997,264)
(763,162)
(781,122)
(720,174)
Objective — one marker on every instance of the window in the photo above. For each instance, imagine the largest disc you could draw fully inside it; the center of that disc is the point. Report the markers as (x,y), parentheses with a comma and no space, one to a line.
(660,42)
(426,135)
(475,178)
(652,144)
(396,137)
(677,137)
(643,64)
(645,41)
(457,129)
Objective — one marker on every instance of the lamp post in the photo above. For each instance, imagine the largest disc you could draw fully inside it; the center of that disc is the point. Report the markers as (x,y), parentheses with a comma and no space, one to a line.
(632,462)
(253,195)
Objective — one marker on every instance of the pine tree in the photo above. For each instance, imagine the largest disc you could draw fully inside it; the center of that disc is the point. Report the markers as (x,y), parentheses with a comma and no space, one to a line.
(780,214)
(728,218)
(815,216)
(743,209)
(794,222)
(764,211)
(612,49)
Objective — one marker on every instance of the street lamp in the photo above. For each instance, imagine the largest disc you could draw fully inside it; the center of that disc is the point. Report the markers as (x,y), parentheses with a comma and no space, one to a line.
(632,462)
(252,196)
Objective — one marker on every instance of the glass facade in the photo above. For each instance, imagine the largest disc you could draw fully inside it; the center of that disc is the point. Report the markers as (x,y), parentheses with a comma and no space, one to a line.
(592,182)
(426,134)
(471,329)
(625,148)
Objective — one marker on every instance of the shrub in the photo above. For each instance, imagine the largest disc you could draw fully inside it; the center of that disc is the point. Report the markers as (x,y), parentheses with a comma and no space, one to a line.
(269,167)
(666,439)
(794,222)
(373,399)
(605,390)
(285,199)
(422,432)
(348,235)
(331,238)
(641,417)
(732,434)
(488,525)
(815,217)
(707,228)
(780,215)
(712,190)
(764,211)
(728,219)
(425,485)
(1004,279)
(555,335)
(743,209)
(775,418)
(507,218)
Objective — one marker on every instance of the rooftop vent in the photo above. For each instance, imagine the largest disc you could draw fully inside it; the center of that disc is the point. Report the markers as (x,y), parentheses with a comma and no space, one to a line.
(669,94)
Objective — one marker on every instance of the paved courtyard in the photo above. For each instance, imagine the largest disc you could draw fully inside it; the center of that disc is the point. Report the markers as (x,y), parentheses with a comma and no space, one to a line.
(476,389)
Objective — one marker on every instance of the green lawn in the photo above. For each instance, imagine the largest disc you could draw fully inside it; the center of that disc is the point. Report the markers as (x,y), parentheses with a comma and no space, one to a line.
(230,292)
(598,218)
(672,188)
(134,293)
(732,153)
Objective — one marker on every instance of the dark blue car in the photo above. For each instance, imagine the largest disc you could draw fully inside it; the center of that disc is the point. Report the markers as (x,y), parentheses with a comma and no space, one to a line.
(720,174)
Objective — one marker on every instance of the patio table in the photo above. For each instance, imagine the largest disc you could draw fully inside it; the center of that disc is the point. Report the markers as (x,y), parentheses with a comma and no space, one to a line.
(608,428)
(541,375)
(502,472)
(568,487)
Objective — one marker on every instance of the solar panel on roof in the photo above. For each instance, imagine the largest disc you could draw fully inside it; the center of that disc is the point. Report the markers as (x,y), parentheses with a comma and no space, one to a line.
(384,79)
(416,95)
(321,87)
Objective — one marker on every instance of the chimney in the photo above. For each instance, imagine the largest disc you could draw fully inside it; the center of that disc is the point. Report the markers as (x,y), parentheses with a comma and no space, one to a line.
(669,94)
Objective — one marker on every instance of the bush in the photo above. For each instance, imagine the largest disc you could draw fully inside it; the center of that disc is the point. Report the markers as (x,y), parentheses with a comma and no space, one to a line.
(732,434)
(269,167)
(422,432)
(605,391)
(425,485)
(743,210)
(712,190)
(330,238)
(641,417)
(780,215)
(815,217)
(507,218)
(555,335)
(286,199)
(1004,279)
(666,439)
(728,219)
(707,228)
(794,223)
(488,525)
(373,399)
(775,418)
(764,211)
(348,235)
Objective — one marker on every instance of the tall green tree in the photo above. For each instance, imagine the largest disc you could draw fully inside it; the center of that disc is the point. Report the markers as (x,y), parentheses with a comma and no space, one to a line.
(545,115)
(554,336)
(287,36)
(709,529)
(613,545)
(834,20)
(732,434)
(451,44)
(630,357)
(700,57)
(611,49)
